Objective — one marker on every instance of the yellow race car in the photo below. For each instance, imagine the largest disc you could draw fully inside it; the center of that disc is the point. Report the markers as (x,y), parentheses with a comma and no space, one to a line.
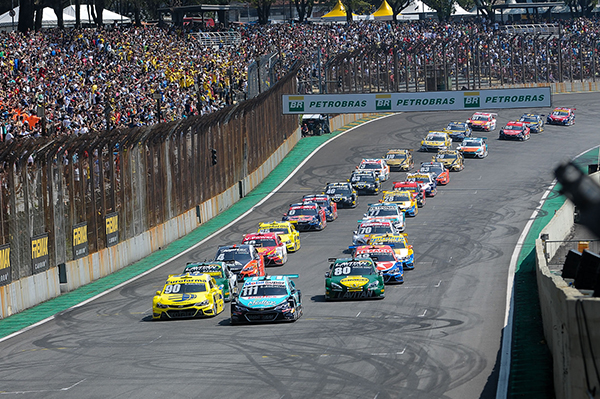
(286,230)
(188,295)
(405,200)
(453,160)
(435,141)
(400,159)
(400,245)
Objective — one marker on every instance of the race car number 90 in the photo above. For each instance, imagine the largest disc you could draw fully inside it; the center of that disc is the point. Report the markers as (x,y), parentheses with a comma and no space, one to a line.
(172,289)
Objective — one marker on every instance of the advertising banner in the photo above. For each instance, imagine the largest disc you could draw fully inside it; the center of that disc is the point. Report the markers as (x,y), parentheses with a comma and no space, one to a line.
(5,269)
(40,260)
(112,229)
(80,241)
(533,97)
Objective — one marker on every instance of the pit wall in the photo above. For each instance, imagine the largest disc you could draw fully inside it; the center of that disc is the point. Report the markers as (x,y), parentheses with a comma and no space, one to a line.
(564,326)
(30,291)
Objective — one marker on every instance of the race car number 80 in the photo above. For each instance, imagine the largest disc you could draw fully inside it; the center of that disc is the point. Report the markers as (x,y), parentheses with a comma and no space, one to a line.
(340,271)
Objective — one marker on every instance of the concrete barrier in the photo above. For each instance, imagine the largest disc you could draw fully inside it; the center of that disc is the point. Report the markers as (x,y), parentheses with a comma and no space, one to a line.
(30,291)
(558,87)
(567,328)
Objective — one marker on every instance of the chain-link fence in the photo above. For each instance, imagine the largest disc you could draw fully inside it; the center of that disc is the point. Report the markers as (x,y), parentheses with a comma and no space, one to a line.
(69,195)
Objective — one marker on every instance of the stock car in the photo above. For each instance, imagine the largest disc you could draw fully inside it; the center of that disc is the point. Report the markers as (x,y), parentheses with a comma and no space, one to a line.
(416,189)
(379,166)
(534,121)
(514,131)
(399,244)
(561,116)
(187,295)
(435,141)
(226,280)
(243,260)
(386,211)
(437,169)
(267,299)
(405,200)
(485,121)
(350,278)
(343,194)
(325,202)
(306,216)
(286,230)
(474,147)
(398,159)
(269,245)
(366,229)
(365,182)
(386,261)
(458,131)
(452,160)
(427,180)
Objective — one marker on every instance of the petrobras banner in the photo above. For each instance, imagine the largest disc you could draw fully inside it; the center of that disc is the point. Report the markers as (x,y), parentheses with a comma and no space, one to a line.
(426,101)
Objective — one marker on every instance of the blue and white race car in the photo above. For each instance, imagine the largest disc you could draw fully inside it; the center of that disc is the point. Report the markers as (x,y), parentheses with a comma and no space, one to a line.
(266,299)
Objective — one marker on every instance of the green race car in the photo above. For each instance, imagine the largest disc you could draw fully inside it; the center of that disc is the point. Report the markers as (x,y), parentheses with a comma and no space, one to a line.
(351,278)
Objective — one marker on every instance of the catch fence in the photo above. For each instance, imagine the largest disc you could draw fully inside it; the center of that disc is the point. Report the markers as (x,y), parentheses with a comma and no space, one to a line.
(67,196)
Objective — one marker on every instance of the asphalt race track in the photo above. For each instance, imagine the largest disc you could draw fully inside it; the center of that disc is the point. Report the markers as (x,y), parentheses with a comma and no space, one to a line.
(436,336)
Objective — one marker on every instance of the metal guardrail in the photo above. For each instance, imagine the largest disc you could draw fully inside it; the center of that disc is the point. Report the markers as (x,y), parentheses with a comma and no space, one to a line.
(534,29)
(211,39)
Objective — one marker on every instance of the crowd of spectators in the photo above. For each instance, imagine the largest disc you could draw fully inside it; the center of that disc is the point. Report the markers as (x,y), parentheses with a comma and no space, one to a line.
(77,81)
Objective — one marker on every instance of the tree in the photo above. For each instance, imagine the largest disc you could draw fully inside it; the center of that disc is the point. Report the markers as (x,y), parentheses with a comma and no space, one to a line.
(444,8)
(263,9)
(355,6)
(485,8)
(304,8)
(26,11)
(581,8)
(397,6)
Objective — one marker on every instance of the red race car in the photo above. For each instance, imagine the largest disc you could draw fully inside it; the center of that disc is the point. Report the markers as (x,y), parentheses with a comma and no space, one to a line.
(482,121)
(515,131)
(269,245)
(561,116)
(417,190)
(442,175)
(306,216)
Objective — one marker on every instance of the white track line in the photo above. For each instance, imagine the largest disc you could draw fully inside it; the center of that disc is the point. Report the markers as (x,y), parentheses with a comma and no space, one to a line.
(505,350)
(243,215)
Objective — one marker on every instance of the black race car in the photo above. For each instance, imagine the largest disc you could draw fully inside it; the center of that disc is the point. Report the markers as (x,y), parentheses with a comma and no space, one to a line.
(365,182)
(343,194)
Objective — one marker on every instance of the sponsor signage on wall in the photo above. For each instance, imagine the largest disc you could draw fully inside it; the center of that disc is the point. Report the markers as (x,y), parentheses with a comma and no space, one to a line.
(80,241)
(39,253)
(425,101)
(112,229)
(5,269)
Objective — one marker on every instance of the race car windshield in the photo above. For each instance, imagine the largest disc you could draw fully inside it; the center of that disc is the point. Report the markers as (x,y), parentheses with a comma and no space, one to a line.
(364,178)
(560,113)
(382,211)
(396,197)
(241,255)
(184,288)
(436,138)
(262,242)
(471,143)
(384,229)
(396,244)
(455,127)
(513,127)
(302,211)
(280,230)
(431,168)
(528,119)
(381,256)
(338,190)
(213,270)
(396,156)
(480,118)
(264,290)
(420,179)
(446,156)
(370,166)
(352,269)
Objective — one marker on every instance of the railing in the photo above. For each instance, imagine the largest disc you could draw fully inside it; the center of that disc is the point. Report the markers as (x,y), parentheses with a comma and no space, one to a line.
(211,39)
(532,29)
(561,248)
